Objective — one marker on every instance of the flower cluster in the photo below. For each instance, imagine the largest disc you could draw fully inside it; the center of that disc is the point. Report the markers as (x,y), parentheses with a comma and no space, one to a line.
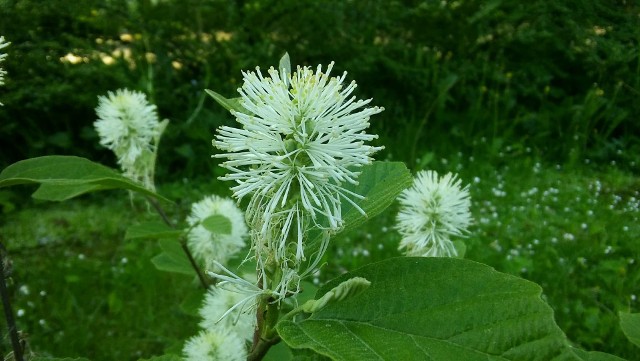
(215,345)
(208,245)
(432,210)
(301,139)
(222,338)
(3,72)
(129,126)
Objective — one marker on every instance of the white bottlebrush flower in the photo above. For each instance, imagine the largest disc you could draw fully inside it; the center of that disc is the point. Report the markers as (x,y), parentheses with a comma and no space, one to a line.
(218,301)
(301,139)
(432,210)
(129,126)
(207,246)
(3,44)
(215,345)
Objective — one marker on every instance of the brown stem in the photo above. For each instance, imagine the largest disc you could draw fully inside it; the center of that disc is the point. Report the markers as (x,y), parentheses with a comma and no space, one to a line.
(265,335)
(203,281)
(261,348)
(161,212)
(8,311)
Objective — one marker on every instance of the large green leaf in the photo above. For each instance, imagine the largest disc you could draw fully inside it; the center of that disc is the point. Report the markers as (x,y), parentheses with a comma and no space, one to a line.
(64,177)
(151,230)
(630,323)
(434,309)
(595,356)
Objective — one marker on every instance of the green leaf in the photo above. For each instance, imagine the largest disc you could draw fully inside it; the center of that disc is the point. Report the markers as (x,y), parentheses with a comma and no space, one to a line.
(163,358)
(380,183)
(64,177)
(228,104)
(308,355)
(151,230)
(278,352)
(173,259)
(595,356)
(192,302)
(630,324)
(217,224)
(435,309)
(42,358)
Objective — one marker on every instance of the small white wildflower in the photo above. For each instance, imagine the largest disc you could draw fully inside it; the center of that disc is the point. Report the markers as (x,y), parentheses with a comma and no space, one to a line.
(432,210)
(24,289)
(215,345)
(128,125)
(208,246)
(216,303)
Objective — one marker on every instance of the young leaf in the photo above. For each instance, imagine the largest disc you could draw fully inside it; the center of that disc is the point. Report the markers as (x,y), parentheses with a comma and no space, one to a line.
(173,258)
(217,224)
(380,183)
(435,309)
(151,230)
(228,104)
(64,177)
(630,323)
(285,63)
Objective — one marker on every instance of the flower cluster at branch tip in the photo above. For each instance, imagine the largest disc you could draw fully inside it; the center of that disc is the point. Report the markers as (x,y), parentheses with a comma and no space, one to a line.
(129,126)
(3,44)
(207,245)
(432,210)
(301,140)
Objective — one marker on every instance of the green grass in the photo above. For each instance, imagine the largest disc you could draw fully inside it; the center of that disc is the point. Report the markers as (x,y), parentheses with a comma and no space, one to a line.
(79,289)
(84,291)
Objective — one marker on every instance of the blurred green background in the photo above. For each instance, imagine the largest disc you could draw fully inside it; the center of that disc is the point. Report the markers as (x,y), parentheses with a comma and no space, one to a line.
(559,77)
(534,103)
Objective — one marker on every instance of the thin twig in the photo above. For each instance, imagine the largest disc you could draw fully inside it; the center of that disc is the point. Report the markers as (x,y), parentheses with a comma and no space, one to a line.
(203,280)
(183,244)
(8,311)
(158,208)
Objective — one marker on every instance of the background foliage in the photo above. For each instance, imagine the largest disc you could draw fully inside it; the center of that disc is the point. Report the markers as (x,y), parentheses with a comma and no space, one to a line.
(534,103)
(559,77)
